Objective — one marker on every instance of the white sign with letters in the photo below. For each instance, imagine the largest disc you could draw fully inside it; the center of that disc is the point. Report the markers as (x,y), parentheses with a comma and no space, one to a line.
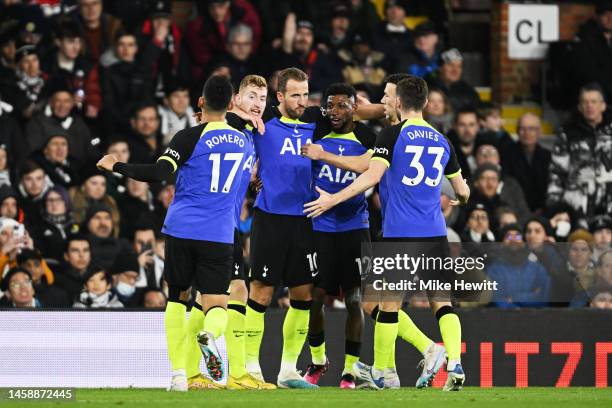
(530,29)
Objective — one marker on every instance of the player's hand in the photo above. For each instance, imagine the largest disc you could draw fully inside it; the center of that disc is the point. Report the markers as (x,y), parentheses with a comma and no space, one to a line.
(197,116)
(363,100)
(312,151)
(257,123)
(256,184)
(462,196)
(325,201)
(107,162)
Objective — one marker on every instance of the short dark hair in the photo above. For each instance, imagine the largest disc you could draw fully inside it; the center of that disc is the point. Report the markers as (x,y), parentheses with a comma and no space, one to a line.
(124,33)
(146,105)
(28,167)
(290,73)
(466,110)
(217,93)
(340,88)
(395,78)
(67,29)
(412,93)
(592,87)
(75,237)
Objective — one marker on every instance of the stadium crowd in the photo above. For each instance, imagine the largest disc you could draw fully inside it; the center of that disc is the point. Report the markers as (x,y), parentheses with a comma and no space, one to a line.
(82,78)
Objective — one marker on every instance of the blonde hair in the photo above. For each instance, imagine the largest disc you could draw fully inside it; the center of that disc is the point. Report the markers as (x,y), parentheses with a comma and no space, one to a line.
(255,80)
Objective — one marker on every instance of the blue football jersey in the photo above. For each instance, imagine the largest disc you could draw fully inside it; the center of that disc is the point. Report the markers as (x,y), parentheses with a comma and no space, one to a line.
(418,157)
(208,160)
(285,174)
(247,170)
(351,214)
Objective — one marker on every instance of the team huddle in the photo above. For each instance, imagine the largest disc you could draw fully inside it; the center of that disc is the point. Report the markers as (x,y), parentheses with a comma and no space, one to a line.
(310,221)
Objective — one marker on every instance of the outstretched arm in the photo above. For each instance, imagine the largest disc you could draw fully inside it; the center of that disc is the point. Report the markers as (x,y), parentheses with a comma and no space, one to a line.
(141,172)
(358,164)
(369,179)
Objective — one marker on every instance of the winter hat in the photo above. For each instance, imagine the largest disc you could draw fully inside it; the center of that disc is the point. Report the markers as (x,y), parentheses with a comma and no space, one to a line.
(125,260)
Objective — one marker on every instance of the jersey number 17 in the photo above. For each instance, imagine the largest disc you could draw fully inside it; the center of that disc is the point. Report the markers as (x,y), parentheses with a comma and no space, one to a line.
(216,170)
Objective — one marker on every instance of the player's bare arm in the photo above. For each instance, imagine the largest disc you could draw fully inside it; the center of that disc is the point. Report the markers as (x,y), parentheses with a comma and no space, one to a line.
(462,190)
(366,180)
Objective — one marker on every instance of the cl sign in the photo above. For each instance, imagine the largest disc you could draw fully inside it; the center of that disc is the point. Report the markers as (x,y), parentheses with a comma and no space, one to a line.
(530,29)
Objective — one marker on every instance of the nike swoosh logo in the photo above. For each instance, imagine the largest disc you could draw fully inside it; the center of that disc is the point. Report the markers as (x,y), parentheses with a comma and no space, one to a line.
(251,335)
(247,386)
(314,274)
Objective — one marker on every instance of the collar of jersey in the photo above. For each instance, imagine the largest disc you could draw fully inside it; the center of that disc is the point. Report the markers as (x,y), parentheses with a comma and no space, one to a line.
(216,126)
(346,136)
(416,122)
(285,119)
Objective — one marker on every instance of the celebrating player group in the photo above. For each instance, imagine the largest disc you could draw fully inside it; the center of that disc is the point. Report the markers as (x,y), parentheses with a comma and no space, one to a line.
(309,225)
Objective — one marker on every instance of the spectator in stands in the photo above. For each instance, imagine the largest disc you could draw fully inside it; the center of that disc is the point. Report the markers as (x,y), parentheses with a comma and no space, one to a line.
(595,46)
(509,189)
(17,284)
(97,292)
(145,139)
(127,83)
(24,89)
(580,266)
(11,138)
(162,43)
(581,165)
(448,79)
(477,228)
(340,28)
(298,50)
(164,196)
(9,207)
(491,126)
(463,137)
(486,191)
(92,191)
(438,112)
(13,238)
(206,35)
(125,274)
(528,162)
(601,228)
(59,116)
(362,64)
(68,65)
(136,203)
(505,216)
(604,272)
(5,168)
(104,247)
(77,257)
(539,237)
(43,279)
(176,113)
(33,185)
(49,235)
(154,299)
(423,58)
(8,41)
(521,282)
(115,182)
(602,300)
(392,37)
(239,53)
(55,159)
(151,264)
(99,28)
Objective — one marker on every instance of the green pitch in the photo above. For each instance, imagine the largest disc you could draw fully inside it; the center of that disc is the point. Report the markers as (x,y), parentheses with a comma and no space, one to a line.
(333,397)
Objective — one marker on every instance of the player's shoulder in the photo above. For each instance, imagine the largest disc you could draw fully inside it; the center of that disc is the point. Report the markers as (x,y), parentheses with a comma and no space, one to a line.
(271,112)
(393,130)
(364,134)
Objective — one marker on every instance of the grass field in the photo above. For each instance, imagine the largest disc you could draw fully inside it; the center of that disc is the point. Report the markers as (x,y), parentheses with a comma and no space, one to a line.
(333,397)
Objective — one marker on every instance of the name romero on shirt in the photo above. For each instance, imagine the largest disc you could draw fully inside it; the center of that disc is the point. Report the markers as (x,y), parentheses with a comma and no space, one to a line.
(225,138)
